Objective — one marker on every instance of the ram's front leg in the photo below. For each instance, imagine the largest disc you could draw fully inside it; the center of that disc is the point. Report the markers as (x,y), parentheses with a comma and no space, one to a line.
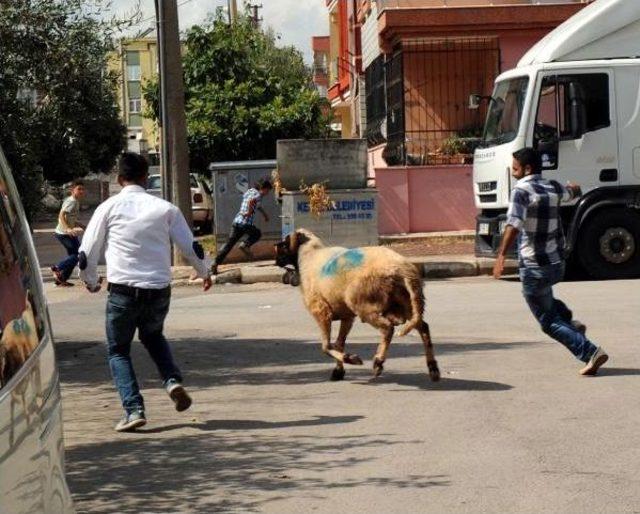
(324,319)
(345,328)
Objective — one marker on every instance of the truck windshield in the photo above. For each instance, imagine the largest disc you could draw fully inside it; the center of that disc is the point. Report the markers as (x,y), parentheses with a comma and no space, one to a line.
(505,111)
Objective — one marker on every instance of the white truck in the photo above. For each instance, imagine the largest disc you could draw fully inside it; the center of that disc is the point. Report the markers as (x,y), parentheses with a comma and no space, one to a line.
(575,96)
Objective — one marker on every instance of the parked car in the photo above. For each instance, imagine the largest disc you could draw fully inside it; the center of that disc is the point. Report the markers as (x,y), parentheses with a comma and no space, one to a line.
(201,200)
(32,475)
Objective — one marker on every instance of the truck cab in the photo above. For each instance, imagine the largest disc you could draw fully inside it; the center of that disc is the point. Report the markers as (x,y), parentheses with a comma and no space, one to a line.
(575,97)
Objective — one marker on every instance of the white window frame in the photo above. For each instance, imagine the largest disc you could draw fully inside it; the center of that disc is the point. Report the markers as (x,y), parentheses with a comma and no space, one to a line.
(135,105)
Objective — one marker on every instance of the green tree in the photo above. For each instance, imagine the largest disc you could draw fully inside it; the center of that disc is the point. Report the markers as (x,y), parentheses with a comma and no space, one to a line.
(243,93)
(58,111)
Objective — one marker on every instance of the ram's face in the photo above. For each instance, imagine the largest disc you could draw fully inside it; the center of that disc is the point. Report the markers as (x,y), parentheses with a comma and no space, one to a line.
(286,255)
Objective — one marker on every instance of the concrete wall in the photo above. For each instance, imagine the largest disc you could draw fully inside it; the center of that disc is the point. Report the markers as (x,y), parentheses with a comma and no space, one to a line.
(340,163)
(352,220)
(425,199)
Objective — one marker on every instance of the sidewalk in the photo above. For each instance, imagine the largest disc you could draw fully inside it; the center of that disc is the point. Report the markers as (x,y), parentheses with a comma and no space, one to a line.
(435,265)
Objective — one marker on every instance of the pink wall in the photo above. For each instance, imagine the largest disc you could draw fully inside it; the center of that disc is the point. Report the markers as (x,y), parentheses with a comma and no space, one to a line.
(425,199)
(436,198)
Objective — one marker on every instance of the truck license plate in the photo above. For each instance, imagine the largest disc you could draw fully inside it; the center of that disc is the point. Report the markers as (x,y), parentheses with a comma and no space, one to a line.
(483,229)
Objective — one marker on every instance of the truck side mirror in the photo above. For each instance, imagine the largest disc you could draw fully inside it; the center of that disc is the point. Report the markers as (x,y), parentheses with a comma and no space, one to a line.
(577,110)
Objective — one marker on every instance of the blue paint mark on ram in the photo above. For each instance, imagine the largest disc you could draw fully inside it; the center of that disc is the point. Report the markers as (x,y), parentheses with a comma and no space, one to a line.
(342,261)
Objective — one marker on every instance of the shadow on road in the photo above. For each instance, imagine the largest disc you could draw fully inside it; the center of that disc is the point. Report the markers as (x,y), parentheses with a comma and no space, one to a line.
(239,465)
(234,472)
(421,382)
(252,424)
(617,372)
(226,361)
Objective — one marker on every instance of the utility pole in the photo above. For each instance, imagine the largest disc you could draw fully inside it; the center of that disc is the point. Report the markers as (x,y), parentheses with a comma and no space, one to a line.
(165,166)
(232,8)
(174,124)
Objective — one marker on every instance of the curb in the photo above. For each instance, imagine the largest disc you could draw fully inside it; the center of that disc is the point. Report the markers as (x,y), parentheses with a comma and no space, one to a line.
(464,267)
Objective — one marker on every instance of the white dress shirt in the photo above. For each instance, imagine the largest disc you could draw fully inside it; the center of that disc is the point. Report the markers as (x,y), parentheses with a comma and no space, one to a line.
(136,229)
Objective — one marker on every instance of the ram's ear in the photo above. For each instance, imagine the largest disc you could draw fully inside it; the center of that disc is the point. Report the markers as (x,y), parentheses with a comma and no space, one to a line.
(296,240)
(292,239)
(302,238)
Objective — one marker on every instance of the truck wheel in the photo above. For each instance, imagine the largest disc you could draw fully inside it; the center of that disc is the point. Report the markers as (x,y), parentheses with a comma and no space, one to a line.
(609,244)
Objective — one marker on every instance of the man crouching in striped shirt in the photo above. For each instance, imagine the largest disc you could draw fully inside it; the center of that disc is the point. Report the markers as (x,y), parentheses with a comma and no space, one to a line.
(534,215)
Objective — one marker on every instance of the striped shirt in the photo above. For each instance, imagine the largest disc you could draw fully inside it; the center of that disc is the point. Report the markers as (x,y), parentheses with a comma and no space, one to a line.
(534,210)
(250,202)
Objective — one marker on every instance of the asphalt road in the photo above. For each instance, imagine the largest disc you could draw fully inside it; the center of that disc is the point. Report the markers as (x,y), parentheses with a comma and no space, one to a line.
(511,427)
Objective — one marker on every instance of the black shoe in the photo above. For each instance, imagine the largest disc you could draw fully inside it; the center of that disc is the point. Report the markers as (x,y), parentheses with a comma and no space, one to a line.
(131,421)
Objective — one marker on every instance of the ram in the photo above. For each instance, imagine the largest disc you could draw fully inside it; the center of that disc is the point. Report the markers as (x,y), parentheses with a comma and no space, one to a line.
(375,284)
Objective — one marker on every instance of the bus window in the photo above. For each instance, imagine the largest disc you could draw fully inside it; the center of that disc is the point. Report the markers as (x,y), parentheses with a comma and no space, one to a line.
(21,309)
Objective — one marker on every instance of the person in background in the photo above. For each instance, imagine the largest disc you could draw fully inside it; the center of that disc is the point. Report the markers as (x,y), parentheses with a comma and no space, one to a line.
(243,223)
(68,232)
(534,216)
(137,229)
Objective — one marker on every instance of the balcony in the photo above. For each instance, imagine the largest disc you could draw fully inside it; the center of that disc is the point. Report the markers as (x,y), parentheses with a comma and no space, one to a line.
(421,4)
(407,19)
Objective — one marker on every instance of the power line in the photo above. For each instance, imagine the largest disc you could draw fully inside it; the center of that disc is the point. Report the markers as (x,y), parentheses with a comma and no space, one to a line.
(153,17)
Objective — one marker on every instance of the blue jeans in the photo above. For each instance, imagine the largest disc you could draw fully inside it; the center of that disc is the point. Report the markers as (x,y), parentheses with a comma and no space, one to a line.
(71,245)
(125,314)
(552,314)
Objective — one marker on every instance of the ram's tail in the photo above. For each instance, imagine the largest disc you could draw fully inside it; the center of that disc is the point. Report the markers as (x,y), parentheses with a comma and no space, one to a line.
(416,296)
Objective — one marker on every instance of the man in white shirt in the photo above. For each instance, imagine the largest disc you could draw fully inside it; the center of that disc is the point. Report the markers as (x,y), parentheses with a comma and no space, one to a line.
(136,230)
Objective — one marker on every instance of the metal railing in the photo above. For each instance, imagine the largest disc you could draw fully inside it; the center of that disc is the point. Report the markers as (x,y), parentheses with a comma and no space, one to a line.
(428,84)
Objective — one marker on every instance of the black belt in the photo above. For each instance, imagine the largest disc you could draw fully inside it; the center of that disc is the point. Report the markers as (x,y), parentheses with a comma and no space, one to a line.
(138,292)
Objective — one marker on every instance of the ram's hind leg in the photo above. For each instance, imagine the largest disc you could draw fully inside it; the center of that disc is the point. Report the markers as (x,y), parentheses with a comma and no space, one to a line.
(386,328)
(432,364)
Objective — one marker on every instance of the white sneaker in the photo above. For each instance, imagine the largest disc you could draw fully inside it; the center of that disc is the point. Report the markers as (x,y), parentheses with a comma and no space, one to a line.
(130,422)
(179,395)
(596,360)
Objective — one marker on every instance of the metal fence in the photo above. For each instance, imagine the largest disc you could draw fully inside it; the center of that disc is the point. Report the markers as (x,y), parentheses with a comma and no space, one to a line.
(428,83)
(376,104)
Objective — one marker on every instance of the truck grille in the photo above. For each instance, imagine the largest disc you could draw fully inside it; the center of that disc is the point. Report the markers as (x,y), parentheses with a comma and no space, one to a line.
(487,187)
(488,198)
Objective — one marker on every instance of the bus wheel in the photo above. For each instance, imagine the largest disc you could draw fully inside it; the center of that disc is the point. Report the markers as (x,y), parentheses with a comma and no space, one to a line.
(609,244)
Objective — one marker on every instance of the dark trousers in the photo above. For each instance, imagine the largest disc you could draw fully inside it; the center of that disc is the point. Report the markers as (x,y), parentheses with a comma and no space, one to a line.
(238,232)
(125,314)
(71,245)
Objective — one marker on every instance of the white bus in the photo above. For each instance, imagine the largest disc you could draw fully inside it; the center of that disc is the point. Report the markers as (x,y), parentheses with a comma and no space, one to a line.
(32,476)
